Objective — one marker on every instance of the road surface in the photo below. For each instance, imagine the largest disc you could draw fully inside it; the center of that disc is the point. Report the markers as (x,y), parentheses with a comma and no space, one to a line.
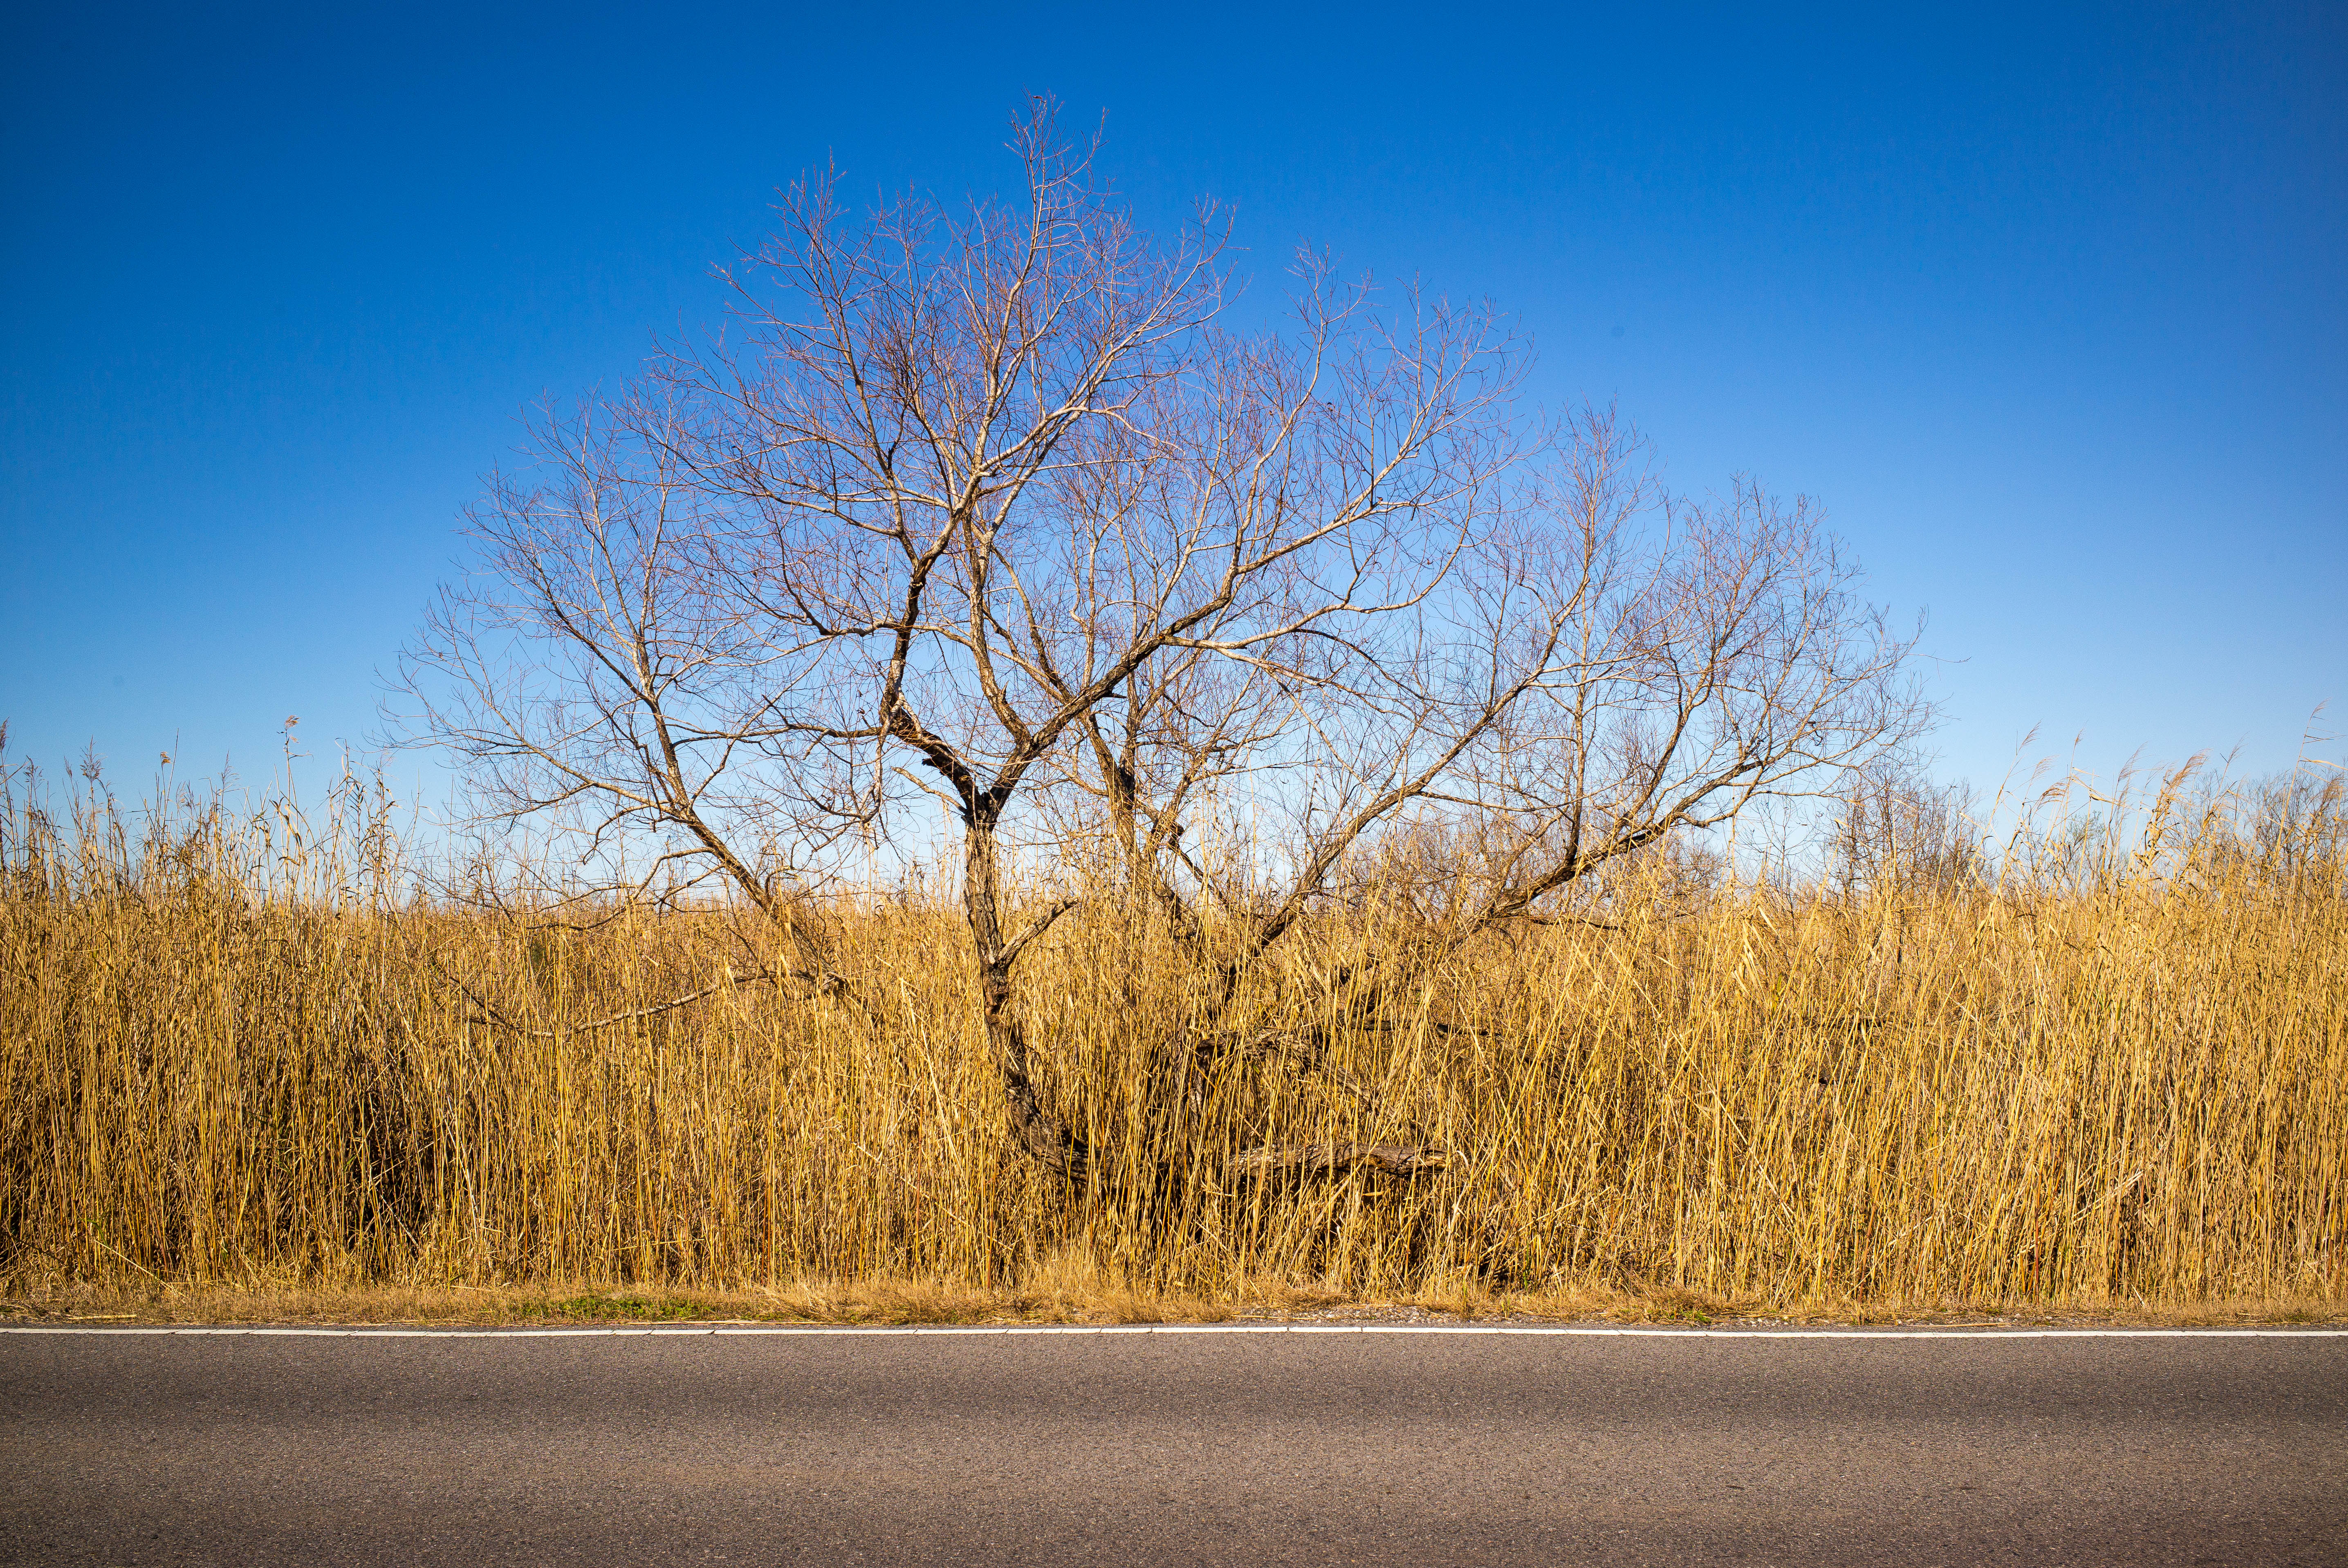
(123,1448)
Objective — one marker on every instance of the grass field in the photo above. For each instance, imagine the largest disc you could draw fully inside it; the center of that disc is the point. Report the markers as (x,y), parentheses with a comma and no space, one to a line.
(2104,1068)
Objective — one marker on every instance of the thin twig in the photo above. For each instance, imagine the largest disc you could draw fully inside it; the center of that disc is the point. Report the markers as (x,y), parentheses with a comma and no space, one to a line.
(492,1015)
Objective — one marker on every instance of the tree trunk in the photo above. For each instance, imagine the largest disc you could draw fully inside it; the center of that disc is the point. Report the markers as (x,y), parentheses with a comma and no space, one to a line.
(1045,1138)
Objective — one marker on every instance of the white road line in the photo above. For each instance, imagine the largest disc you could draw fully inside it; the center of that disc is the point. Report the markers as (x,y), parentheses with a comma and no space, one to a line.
(764,1330)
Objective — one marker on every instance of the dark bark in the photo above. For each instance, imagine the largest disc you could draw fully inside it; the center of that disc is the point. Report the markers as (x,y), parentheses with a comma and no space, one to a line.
(1048,1139)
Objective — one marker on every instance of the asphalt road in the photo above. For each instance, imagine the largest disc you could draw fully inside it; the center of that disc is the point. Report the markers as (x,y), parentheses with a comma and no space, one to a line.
(1420,1449)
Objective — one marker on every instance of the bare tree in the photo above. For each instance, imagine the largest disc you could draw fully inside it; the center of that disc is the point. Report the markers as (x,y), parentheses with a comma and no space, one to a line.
(957,487)
(992,511)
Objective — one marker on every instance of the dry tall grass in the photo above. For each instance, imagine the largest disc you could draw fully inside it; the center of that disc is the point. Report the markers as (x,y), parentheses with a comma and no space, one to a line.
(2107,1068)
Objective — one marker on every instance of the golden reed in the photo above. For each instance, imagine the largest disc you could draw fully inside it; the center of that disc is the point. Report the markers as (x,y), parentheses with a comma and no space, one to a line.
(2098,1067)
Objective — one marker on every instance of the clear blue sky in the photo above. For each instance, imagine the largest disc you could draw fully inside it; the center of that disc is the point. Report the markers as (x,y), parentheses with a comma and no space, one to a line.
(2045,306)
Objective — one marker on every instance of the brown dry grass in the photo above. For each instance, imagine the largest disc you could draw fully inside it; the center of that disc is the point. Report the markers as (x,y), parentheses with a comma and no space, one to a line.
(891,1303)
(246,1074)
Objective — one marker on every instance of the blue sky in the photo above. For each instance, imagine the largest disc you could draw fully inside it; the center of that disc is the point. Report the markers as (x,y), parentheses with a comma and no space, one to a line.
(2046,306)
